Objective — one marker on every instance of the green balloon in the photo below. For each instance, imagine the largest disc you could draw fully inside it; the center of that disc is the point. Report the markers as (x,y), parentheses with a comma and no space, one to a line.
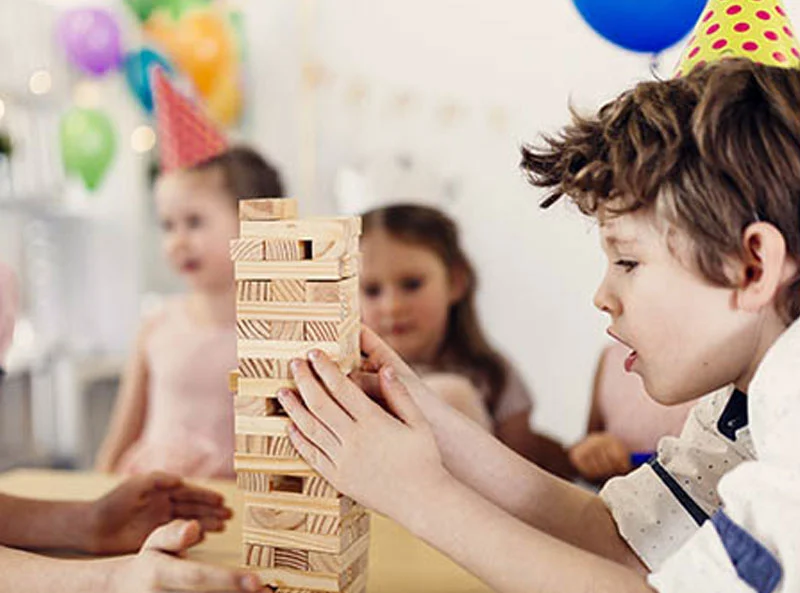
(177,8)
(143,8)
(88,145)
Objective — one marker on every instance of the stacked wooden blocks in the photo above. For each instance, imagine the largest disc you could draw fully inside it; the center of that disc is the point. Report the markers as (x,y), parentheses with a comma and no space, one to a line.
(297,290)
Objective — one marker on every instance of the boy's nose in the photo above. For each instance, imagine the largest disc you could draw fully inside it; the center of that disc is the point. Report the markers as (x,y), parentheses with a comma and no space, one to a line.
(605,300)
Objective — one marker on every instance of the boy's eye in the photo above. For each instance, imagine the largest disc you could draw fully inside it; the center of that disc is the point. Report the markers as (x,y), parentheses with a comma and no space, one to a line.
(371,290)
(194,221)
(411,284)
(626,264)
(166,225)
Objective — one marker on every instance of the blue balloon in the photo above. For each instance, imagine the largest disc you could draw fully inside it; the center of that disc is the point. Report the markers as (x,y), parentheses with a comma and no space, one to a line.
(138,65)
(647,26)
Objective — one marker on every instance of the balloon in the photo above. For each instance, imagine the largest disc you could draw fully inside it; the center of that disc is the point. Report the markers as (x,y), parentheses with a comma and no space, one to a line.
(237,22)
(143,8)
(137,68)
(224,102)
(178,8)
(91,39)
(87,144)
(641,25)
(201,44)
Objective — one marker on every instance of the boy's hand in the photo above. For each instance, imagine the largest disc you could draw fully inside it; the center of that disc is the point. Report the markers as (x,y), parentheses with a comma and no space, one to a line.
(387,462)
(157,566)
(121,520)
(599,456)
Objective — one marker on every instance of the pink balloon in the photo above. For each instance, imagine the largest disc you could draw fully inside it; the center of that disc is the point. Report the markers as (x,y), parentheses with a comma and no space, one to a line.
(91,39)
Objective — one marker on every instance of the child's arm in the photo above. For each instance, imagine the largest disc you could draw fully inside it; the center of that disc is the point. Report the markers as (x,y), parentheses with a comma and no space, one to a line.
(116,523)
(127,420)
(392,465)
(544,451)
(481,462)
(154,568)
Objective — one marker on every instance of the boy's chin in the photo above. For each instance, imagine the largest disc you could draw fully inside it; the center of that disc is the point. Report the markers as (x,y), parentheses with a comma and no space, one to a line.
(671,395)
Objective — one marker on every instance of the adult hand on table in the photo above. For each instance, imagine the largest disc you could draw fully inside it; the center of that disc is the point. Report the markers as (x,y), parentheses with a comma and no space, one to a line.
(157,566)
(387,458)
(121,520)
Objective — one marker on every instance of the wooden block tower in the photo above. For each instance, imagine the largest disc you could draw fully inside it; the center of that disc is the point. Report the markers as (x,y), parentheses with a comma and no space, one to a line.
(297,289)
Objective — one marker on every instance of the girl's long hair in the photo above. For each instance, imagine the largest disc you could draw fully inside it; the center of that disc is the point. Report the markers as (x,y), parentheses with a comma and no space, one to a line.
(465,345)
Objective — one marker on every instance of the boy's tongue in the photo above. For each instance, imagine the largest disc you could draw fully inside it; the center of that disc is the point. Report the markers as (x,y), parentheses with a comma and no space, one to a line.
(630,360)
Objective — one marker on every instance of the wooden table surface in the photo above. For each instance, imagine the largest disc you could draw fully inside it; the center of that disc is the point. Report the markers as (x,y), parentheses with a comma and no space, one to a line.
(398,562)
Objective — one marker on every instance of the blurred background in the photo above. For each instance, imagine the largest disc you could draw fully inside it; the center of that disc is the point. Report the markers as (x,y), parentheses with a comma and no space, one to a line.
(358,102)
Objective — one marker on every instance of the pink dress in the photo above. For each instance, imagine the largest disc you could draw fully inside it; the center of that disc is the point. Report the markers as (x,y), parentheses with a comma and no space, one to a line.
(189,421)
(627,411)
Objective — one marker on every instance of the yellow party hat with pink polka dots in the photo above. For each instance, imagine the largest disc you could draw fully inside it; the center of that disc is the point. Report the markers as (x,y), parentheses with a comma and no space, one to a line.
(759,30)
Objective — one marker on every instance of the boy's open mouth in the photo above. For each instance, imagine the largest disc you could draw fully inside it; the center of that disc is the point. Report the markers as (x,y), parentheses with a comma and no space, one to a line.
(630,361)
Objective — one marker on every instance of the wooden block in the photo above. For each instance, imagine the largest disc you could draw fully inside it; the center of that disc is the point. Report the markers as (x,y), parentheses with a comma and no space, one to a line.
(286,250)
(262,387)
(341,229)
(287,291)
(289,331)
(322,562)
(351,530)
(267,446)
(317,486)
(322,524)
(359,585)
(285,351)
(298,490)
(321,331)
(295,466)
(244,405)
(252,291)
(247,250)
(261,517)
(323,292)
(257,555)
(297,270)
(267,209)
(289,580)
(270,426)
(337,506)
(256,367)
(233,381)
(288,558)
(255,329)
(290,311)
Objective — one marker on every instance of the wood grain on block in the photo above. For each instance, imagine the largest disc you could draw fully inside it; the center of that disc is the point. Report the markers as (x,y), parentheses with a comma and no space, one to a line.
(291,311)
(322,562)
(321,331)
(253,482)
(254,329)
(334,248)
(253,444)
(299,270)
(283,501)
(289,558)
(323,524)
(233,381)
(248,291)
(256,367)
(244,405)
(287,291)
(247,250)
(262,387)
(268,209)
(359,585)
(323,292)
(290,580)
(318,486)
(285,350)
(337,543)
(261,517)
(291,331)
(269,426)
(295,466)
(257,555)
(285,250)
(342,229)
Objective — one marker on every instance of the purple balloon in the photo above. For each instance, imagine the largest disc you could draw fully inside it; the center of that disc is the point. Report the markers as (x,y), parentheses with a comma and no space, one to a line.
(91,38)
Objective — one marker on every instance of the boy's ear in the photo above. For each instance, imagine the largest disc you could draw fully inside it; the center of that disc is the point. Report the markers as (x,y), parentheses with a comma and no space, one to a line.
(459,284)
(765,267)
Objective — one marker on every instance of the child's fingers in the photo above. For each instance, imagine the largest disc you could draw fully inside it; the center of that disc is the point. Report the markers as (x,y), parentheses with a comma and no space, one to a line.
(173,574)
(367,382)
(316,458)
(398,398)
(344,391)
(192,510)
(195,494)
(379,353)
(174,537)
(318,401)
(309,424)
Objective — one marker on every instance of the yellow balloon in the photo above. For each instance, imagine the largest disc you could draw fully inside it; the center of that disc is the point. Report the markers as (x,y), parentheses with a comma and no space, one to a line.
(201,43)
(225,102)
